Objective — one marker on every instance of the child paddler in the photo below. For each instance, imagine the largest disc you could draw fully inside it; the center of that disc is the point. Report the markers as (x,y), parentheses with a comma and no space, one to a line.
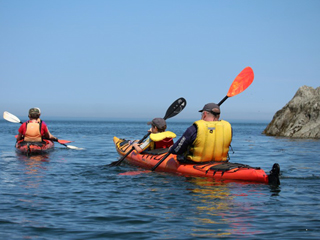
(159,137)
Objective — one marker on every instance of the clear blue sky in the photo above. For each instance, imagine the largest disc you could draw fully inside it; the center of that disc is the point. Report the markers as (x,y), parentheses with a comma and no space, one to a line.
(132,59)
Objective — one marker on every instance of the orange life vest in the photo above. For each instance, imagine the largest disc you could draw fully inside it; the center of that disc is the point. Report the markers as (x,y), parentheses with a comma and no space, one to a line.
(33,131)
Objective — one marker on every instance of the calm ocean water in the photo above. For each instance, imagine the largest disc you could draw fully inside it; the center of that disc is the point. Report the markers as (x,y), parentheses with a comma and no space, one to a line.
(71,194)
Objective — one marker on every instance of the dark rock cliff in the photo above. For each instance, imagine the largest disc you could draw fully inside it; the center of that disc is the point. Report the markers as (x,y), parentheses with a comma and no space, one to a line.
(299,118)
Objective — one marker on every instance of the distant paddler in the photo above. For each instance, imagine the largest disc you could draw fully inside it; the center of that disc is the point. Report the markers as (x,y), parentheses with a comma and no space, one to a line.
(34,130)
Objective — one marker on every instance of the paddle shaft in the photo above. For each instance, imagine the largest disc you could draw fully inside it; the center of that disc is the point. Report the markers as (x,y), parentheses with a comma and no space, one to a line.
(223,100)
(164,158)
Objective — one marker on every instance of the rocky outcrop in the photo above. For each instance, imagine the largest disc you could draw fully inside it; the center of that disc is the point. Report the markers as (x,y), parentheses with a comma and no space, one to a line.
(299,118)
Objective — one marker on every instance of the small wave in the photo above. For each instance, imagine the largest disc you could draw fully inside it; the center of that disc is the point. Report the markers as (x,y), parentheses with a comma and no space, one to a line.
(313,177)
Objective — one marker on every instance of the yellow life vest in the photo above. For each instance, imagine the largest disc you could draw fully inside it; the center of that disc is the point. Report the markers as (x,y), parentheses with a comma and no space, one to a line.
(162,135)
(212,141)
(33,132)
(161,140)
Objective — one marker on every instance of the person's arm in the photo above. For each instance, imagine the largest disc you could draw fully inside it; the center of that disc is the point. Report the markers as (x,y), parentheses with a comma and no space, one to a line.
(21,132)
(137,147)
(46,133)
(143,146)
(188,137)
(51,136)
(19,137)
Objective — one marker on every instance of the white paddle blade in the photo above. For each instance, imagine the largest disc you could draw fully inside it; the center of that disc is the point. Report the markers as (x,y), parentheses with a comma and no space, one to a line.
(74,147)
(10,117)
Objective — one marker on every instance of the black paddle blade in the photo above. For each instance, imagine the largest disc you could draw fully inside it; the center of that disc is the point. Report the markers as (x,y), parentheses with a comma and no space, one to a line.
(175,108)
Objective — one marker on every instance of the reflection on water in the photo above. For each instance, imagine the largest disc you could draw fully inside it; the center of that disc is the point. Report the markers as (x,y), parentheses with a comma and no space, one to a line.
(34,167)
(218,209)
(211,199)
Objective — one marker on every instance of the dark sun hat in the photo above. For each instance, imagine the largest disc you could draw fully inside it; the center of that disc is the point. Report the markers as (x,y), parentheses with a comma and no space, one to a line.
(212,108)
(34,111)
(160,123)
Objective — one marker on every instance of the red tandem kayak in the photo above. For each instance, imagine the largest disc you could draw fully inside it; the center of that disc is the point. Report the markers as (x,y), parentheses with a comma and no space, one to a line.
(216,170)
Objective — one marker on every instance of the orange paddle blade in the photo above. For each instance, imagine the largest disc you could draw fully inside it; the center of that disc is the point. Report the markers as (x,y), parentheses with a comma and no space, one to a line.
(64,141)
(241,82)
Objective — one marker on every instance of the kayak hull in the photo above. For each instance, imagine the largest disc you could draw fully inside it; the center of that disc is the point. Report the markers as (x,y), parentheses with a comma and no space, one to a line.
(215,170)
(34,148)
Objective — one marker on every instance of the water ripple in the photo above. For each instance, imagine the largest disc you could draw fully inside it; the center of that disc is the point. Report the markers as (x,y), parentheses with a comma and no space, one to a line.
(73,194)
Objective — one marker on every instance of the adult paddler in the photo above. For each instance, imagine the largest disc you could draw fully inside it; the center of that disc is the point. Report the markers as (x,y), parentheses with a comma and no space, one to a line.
(207,139)
(34,130)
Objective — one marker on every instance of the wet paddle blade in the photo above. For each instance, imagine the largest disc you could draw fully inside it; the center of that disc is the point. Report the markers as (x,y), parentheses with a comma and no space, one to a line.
(175,108)
(10,117)
(73,147)
(241,82)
